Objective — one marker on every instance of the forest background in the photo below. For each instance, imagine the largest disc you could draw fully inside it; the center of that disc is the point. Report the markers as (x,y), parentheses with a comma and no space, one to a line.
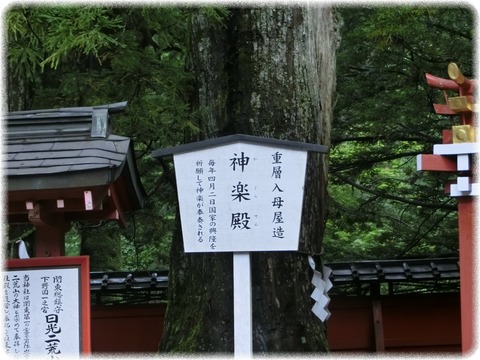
(379,206)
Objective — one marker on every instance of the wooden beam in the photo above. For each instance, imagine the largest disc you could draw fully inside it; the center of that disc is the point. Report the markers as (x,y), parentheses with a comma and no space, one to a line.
(55,205)
(118,206)
(443,109)
(39,217)
(429,162)
(467,270)
(49,231)
(378,326)
(107,203)
(50,240)
(447,136)
(65,194)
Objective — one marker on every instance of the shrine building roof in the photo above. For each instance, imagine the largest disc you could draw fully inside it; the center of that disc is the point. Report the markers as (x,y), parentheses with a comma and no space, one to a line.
(60,154)
(357,278)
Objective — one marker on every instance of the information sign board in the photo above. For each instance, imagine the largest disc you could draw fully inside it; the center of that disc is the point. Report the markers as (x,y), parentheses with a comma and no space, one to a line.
(239,194)
(47,307)
(240,197)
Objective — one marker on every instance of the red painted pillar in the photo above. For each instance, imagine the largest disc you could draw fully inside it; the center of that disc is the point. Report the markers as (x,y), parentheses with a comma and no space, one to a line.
(50,241)
(466,211)
(49,231)
(459,141)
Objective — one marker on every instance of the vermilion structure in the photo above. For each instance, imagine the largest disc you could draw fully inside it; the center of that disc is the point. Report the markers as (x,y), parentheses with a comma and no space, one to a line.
(456,155)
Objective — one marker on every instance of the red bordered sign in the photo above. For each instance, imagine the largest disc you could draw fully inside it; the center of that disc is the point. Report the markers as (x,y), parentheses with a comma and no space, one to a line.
(47,306)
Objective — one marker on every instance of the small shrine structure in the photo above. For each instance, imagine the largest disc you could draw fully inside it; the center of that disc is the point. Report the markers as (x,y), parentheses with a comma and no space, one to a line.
(457,155)
(64,165)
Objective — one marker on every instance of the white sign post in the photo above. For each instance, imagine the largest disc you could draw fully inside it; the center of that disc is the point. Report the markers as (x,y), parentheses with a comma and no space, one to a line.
(241,194)
(242,304)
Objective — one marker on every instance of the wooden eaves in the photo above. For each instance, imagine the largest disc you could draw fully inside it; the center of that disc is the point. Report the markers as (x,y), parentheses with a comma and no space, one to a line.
(64,165)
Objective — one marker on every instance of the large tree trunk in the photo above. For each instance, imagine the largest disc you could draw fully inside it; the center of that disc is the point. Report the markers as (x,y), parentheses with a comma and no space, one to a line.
(269,72)
(19,90)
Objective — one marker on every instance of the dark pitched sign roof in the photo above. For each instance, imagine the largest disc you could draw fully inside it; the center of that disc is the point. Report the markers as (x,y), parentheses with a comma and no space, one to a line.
(69,148)
(224,140)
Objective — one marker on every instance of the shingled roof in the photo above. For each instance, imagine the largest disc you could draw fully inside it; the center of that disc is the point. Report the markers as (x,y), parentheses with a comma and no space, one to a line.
(435,275)
(407,275)
(55,156)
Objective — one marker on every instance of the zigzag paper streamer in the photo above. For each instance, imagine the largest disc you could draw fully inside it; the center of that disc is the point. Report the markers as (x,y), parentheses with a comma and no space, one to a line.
(322,285)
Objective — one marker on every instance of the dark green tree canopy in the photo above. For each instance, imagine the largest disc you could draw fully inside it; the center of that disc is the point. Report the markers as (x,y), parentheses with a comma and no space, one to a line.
(379,205)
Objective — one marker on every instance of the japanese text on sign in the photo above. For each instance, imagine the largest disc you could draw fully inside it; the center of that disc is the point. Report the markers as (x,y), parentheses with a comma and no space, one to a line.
(241,197)
(39,308)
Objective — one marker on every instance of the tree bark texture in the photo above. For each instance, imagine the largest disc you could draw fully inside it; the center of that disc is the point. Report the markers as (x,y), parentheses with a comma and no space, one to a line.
(270,71)
(19,90)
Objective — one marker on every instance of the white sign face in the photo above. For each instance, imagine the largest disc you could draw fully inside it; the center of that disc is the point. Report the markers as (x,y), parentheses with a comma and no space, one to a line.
(42,312)
(240,197)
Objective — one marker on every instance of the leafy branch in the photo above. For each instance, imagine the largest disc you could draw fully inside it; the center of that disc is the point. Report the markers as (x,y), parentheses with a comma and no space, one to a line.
(404,200)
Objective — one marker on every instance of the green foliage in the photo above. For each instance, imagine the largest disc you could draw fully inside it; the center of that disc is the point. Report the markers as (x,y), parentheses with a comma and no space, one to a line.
(49,35)
(72,243)
(102,243)
(89,55)
(81,30)
(380,206)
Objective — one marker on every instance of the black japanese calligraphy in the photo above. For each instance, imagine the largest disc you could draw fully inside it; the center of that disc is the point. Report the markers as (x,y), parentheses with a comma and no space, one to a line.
(240,161)
(277,202)
(52,341)
(199,198)
(278,232)
(277,172)
(212,209)
(277,188)
(34,304)
(240,196)
(240,221)
(277,217)
(276,158)
(240,191)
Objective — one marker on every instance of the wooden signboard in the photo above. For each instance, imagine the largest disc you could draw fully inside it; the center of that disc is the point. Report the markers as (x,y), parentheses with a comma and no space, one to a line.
(239,194)
(47,307)
(240,197)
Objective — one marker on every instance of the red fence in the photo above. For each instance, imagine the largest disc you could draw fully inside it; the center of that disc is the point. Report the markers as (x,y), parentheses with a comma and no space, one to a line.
(403,323)
(132,328)
(408,323)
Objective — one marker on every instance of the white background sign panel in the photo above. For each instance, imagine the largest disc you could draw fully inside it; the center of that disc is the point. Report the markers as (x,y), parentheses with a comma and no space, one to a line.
(41,312)
(240,197)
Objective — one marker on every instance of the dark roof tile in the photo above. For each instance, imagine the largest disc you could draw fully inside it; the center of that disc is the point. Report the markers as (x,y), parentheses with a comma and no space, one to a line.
(58,148)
